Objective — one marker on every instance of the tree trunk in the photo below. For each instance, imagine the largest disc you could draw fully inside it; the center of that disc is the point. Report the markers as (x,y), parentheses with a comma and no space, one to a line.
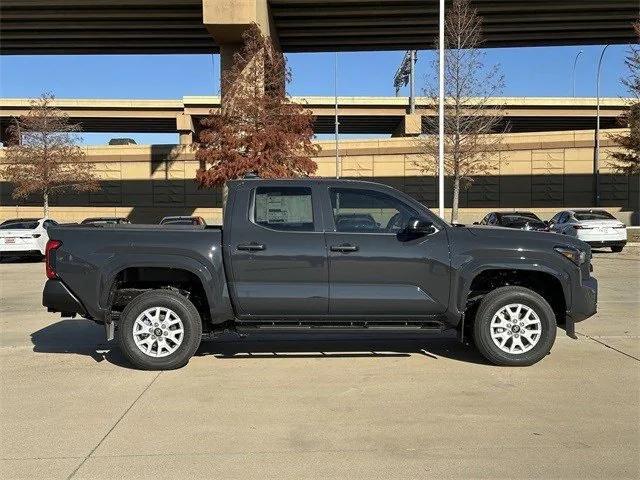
(456,196)
(45,198)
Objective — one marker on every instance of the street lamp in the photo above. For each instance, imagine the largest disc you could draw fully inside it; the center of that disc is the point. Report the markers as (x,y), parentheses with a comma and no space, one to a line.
(573,75)
(596,153)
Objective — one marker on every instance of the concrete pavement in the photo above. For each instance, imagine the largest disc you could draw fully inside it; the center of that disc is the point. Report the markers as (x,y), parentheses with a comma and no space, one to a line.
(360,408)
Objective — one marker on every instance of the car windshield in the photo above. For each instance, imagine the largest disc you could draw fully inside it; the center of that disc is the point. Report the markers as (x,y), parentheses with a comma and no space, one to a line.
(595,215)
(19,225)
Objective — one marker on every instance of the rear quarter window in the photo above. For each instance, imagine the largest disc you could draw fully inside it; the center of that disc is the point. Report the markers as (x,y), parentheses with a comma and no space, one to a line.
(283,208)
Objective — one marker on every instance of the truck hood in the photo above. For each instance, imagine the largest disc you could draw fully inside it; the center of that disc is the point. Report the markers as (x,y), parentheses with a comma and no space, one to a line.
(515,236)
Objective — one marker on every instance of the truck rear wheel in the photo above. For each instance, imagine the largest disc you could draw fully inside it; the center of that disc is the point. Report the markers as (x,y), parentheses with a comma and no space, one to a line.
(514,326)
(159,330)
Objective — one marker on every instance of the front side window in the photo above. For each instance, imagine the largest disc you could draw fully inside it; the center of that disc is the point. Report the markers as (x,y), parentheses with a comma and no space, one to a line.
(368,211)
(284,208)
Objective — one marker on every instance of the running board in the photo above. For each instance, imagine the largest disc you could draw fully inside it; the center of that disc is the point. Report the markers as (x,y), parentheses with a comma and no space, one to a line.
(430,327)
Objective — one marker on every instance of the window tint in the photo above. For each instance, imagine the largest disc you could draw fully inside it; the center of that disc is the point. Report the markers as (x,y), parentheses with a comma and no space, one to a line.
(368,211)
(595,215)
(284,208)
(49,223)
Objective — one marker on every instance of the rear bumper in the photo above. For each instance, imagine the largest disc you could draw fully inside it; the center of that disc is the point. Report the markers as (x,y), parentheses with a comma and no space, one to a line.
(19,250)
(584,300)
(607,243)
(57,298)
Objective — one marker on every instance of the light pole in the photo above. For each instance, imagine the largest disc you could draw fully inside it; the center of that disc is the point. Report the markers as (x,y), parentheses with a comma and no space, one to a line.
(441,113)
(336,122)
(596,152)
(573,74)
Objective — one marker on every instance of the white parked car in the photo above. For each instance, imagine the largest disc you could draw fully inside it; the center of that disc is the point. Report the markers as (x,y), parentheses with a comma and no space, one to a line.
(598,228)
(24,236)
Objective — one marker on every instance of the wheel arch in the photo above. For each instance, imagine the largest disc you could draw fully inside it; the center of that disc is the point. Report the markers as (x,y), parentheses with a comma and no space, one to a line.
(171,271)
(551,284)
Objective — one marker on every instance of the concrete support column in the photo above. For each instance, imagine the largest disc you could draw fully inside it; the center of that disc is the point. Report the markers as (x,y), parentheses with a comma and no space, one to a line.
(227,21)
(184,125)
(410,126)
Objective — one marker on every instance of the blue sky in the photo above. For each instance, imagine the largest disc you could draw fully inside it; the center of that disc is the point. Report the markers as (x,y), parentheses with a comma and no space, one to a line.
(541,71)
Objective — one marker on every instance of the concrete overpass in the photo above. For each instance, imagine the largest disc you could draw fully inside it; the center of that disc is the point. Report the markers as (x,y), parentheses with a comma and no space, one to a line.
(358,115)
(206,26)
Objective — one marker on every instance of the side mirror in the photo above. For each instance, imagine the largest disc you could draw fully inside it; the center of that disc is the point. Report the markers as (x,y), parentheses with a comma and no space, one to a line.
(419,227)
(476,223)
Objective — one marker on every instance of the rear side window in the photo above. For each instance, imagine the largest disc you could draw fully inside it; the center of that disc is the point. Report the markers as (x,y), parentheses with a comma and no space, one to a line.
(597,215)
(284,208)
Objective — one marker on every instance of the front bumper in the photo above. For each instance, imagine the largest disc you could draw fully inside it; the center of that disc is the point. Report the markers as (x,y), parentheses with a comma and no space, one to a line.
(58,298)
(584,302)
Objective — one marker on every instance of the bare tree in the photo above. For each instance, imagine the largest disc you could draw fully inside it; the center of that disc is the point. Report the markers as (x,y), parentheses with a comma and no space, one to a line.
(627,161)
(44,158)
(472,115)
(258,127)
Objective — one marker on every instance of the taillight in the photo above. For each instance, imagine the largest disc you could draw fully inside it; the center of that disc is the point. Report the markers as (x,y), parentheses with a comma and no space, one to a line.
(51,246)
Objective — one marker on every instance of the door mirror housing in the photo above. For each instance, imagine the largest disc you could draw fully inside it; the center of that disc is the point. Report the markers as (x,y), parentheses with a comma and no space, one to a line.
(419,227)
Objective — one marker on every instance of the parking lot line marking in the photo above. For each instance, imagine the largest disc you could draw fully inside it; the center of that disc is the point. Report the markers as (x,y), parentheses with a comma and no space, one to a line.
(114,426)
(609,346)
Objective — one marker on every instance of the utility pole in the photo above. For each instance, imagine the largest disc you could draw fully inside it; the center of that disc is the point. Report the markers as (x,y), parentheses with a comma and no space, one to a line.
(596,152)
(441,113)
(336,120)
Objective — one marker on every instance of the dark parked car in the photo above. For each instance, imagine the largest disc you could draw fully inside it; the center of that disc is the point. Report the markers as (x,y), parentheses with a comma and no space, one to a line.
(182,220)
(105,221)
(519,220)
(284,260)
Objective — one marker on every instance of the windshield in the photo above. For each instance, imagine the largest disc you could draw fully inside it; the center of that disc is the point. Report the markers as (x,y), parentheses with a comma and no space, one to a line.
(19,225)
(596,215)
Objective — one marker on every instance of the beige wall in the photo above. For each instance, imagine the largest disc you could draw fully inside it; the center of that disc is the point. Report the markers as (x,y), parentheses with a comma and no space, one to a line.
(541,172)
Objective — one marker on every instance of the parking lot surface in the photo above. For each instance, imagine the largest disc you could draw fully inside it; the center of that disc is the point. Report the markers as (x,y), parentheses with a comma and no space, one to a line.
(287,407)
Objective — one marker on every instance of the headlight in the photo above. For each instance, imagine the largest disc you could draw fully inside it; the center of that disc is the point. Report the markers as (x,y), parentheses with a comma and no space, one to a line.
(576,256)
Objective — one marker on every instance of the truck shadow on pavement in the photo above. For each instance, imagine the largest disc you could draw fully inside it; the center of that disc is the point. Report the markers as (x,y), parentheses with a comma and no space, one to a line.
(83,337)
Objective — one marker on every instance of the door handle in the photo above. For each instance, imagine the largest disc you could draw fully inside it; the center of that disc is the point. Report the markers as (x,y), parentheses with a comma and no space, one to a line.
(251,247)
(344,247)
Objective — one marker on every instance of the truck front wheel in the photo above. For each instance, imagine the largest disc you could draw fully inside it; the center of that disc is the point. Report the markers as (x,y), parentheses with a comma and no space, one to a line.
(514,326)
(159,330)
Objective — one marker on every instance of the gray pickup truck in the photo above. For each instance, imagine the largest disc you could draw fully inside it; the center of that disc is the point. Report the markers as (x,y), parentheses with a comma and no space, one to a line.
(314,255)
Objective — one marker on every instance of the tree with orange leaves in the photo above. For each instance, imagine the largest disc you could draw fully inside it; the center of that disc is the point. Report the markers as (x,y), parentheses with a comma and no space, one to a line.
(258,129)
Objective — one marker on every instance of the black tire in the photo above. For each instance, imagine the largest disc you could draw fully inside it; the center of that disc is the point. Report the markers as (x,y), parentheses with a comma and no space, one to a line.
(491,304)
(183,308)
(617,249)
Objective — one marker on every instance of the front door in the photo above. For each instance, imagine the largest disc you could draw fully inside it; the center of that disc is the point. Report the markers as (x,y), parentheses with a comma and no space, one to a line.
(277,253)
(373,270)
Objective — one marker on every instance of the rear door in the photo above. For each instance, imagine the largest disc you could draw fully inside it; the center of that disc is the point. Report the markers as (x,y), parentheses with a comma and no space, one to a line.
(373,270)
(275,246)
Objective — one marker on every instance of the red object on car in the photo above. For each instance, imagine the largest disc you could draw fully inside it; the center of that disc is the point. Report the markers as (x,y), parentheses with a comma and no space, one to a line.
(51,245)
